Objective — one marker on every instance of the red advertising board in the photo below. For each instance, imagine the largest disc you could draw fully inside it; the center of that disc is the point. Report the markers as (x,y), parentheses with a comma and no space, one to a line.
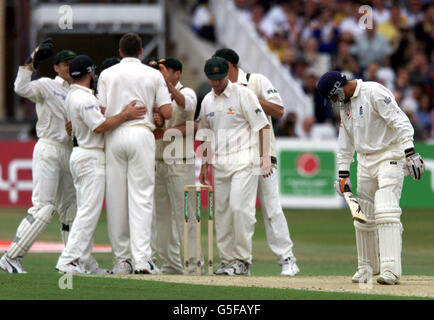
(16,173)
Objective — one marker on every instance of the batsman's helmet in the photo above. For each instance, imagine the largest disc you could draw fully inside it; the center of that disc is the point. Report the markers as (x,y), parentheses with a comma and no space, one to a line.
(329,83)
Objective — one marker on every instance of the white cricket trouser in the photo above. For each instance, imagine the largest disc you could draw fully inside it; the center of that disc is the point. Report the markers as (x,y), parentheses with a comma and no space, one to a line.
(169,213)
(276,226)
(88,172)
(130,161)
(52,180)
(382,172)
(235,188)
(52,185)
(375,171)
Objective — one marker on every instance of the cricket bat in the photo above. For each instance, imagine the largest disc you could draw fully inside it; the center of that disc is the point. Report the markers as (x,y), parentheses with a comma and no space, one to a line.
(353,203)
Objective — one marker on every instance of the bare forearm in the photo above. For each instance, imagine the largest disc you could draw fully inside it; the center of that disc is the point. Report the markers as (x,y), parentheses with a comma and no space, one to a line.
(264,138)
(112,123)
(176,95)
(271,109)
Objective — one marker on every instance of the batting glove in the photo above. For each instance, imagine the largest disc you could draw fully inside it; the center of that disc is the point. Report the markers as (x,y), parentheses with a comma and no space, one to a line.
(42,52)
(414,164)
(343,183)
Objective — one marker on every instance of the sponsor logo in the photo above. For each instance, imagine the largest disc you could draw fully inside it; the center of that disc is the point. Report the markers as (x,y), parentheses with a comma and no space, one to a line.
(258,110)
(14,184)
(230,110)
(271,91)
(210,115)
(62,96)
(91,107)
(307,164)
(361,110)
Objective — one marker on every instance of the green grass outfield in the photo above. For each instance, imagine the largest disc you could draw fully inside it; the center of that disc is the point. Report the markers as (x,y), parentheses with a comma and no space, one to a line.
(324,245)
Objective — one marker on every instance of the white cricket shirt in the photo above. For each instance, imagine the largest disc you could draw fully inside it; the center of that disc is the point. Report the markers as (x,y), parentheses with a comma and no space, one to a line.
(49,96)
(84,111)
(263,89)
(179,117)
(131,80)
(235,116)
(371,122)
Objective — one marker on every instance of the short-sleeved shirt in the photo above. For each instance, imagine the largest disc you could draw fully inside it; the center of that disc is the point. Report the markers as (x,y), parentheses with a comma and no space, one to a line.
(49,96)
(235,116)
(179,117)
(263,89)
(130,80)
(85,114)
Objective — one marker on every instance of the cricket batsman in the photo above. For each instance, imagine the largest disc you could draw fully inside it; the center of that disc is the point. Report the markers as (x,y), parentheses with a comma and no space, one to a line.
(374,125)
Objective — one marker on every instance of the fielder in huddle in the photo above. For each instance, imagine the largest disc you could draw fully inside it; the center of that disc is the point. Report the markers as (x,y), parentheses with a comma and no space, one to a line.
(130,155)
(173,172)
(88,163)
(373,125)
(276,227)
(53,189)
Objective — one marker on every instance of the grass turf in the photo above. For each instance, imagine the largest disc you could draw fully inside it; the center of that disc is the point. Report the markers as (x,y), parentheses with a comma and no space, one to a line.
(324,244)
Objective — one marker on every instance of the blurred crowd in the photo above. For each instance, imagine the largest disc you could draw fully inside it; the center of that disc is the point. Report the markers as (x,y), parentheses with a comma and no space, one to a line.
(390,42)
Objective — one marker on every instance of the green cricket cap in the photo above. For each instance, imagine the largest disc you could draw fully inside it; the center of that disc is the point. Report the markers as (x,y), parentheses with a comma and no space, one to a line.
(172,63)
(151,62)
(228,54)
(109,62)
(216,68)
(64,55)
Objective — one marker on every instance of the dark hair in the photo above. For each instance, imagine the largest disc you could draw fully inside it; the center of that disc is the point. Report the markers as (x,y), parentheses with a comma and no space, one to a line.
(130,44)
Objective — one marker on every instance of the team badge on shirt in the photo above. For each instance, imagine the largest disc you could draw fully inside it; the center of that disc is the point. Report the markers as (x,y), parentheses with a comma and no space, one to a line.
(387,100)
(258,110)
(230,110)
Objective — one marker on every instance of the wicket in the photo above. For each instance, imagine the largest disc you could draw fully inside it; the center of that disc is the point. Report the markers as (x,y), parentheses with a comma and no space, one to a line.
(198,233)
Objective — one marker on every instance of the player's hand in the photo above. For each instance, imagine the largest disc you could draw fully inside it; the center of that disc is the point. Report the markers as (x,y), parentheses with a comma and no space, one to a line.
(159,133)
(266,168)
(42,52)
(134,112)
(68,127)
(203,173)
(103,109)
(164,72)
(343,183)
(158,118)
(414,164)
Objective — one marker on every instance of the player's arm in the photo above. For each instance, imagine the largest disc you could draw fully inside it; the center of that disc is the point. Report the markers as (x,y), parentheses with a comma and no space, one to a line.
(385,104)
(131,112)
(162,98)
(26,88)
(270,100)
(23,86)
(264,151)
(345,156)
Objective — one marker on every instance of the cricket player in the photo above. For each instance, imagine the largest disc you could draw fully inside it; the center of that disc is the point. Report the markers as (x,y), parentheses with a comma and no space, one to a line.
(373,125)
(276,227)
(173,172)
(130,155)
(87,163)
(53,189)
(237,121)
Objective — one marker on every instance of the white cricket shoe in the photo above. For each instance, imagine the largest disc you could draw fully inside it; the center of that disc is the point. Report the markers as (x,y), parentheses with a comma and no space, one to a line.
(12,265)
(362,275)
(221,269)
(387,277)
(149,268)
(289,268)
(238,268)
(73,267)
(123,267)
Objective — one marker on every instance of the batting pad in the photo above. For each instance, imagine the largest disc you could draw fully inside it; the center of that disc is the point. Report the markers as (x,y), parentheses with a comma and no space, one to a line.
(367,239)
(387,218)
(29,230)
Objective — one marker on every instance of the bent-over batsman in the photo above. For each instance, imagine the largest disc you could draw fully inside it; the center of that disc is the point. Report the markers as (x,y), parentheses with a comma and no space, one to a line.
(373,124)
